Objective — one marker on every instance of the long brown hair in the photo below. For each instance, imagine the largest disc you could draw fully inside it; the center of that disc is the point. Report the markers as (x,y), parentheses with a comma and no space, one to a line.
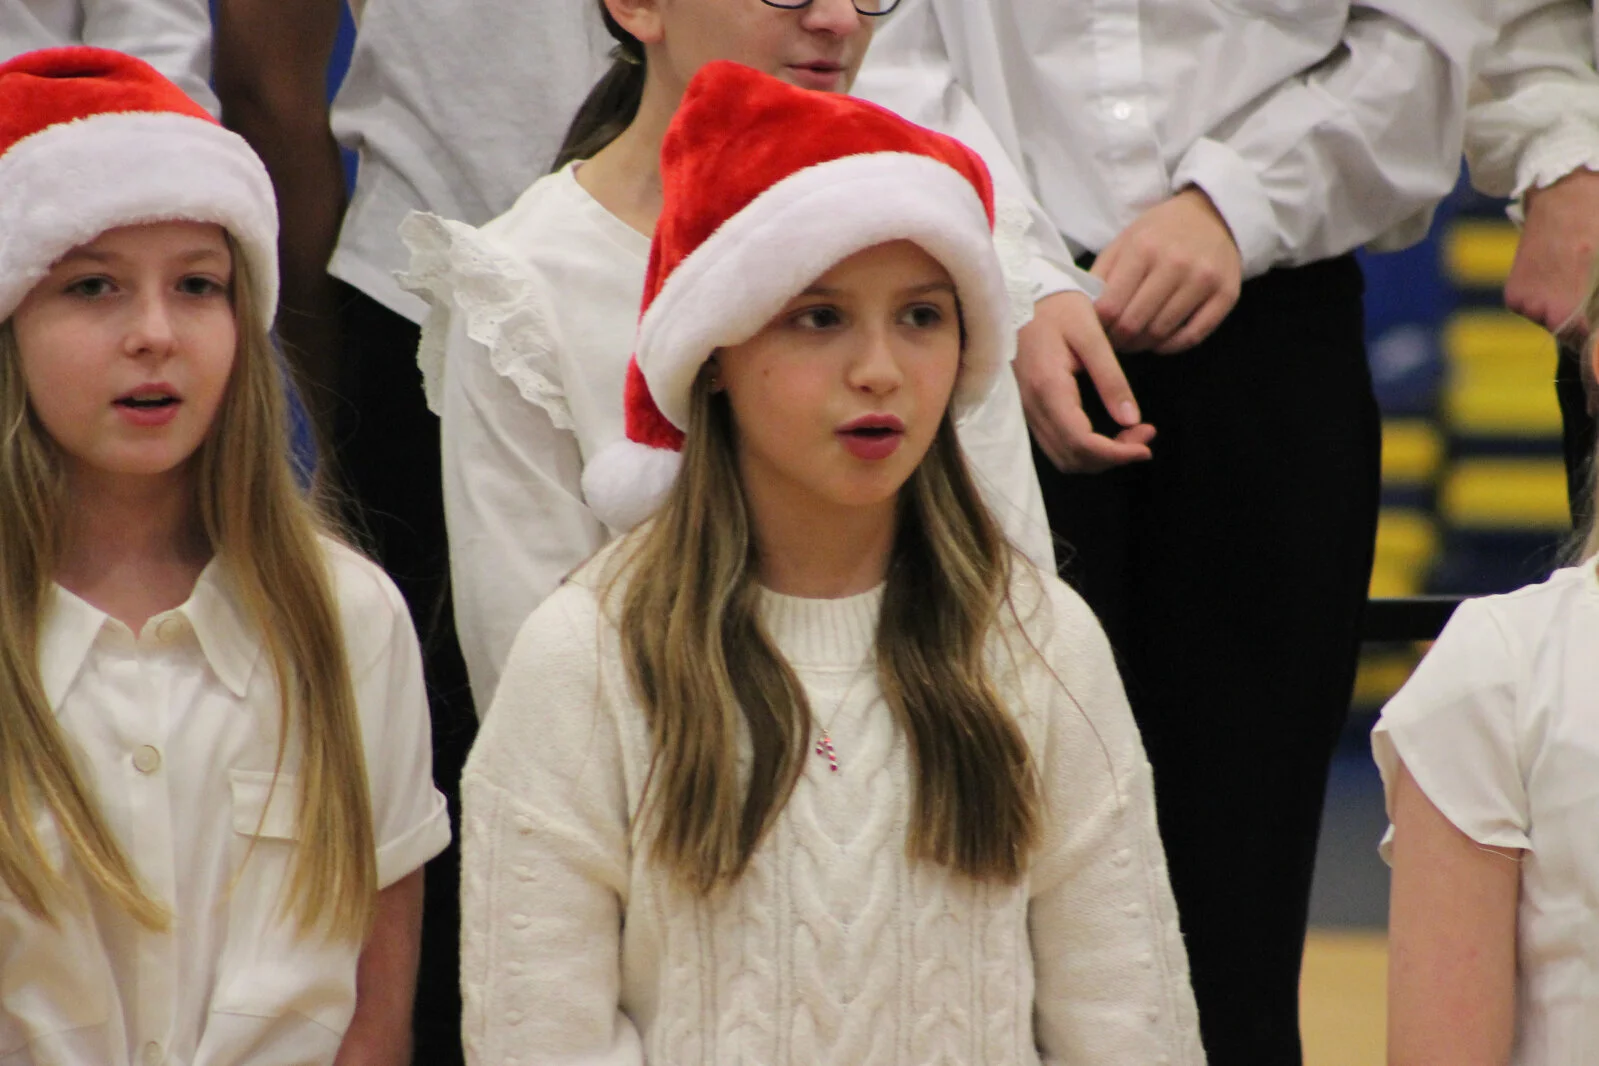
(612,104)
(707,674)
(265,534)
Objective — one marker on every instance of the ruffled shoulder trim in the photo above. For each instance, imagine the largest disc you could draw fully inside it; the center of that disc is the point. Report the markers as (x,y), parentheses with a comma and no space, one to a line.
(460,271)
(1012,220)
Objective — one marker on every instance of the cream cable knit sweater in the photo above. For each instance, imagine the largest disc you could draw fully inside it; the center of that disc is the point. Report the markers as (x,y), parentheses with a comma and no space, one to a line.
(833,948)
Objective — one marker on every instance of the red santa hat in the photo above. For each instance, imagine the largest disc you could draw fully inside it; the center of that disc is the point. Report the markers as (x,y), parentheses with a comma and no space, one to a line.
(92,139)
(766,187)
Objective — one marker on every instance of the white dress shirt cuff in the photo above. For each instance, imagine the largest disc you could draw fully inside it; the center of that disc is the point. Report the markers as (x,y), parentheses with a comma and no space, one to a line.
(1569,145)
(1050,277)
(1234,187)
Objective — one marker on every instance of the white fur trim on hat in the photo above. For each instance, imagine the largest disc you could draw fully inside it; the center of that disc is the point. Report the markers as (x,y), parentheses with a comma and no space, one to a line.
(728,288)
(626,481)
(70,182)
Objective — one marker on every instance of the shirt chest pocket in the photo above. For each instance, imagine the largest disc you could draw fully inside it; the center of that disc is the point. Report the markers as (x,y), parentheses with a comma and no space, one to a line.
(269,968)
(55,980)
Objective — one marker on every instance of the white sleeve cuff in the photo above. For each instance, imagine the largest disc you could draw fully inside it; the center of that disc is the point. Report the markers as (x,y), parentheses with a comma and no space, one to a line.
(1234,187)
(413,848)
(1569,145)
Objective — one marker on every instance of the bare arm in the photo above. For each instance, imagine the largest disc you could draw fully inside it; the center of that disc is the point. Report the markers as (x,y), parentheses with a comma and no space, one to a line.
(385,980)
(1452,940)
(271,74)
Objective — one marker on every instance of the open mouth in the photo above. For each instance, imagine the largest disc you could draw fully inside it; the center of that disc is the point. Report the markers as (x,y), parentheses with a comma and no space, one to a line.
(872,432)
(146,403)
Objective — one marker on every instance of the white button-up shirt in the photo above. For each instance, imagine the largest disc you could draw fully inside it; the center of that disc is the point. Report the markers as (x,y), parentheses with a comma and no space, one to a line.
(1534,115)
(1315,126)
(174,36)
(175,729)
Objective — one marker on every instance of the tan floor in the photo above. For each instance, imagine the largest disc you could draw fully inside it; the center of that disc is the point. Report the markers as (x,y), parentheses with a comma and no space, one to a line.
(1342,998)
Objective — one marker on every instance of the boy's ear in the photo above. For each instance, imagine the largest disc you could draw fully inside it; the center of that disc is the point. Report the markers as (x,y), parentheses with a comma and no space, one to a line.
(641,18)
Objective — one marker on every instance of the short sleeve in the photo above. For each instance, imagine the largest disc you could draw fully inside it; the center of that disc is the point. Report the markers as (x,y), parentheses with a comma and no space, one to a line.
(410,821)
(1457,727)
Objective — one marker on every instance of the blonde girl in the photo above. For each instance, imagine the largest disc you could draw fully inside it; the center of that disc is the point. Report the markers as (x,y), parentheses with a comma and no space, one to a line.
(1490,759)
(531,317)
(216,796)
(812,766)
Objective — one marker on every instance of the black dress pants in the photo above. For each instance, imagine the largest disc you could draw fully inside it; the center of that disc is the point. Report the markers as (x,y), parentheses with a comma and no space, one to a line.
(1230,572)
(386,445)
(1577,435)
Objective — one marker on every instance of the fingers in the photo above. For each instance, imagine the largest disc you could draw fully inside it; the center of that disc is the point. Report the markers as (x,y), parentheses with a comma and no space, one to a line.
(1072,319)
(1063,431)
(1201,324)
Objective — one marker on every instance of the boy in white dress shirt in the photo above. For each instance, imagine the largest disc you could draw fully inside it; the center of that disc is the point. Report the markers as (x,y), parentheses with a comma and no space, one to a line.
(1218,162)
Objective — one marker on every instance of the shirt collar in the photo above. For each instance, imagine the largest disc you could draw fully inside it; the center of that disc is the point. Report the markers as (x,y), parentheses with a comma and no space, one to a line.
(229,640)
(66,633)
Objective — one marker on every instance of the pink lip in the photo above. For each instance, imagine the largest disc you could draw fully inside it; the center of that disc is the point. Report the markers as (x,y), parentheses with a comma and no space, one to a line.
(871,437)
(147,415)
(824,77)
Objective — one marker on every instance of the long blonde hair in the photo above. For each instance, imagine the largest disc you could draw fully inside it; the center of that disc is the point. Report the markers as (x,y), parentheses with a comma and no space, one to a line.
(706,673)
(265,534)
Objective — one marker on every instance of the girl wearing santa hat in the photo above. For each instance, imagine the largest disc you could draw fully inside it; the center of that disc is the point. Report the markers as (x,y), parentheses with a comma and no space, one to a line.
(213,739)
(812,765)
(532,317)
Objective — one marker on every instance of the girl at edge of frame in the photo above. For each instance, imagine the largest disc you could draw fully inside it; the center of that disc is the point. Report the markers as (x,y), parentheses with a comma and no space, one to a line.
(1490,758)
(813,766)
(213,738)
(531,317)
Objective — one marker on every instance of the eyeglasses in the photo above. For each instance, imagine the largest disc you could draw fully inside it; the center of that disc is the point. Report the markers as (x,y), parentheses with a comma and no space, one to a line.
(870,8)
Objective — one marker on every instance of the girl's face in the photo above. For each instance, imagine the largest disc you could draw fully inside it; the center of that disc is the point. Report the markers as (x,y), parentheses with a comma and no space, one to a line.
(126,347)
(816,47)
(839,397)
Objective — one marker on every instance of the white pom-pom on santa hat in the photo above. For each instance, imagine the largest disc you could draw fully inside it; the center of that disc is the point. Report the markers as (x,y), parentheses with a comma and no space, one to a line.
(765,188)
(92,139)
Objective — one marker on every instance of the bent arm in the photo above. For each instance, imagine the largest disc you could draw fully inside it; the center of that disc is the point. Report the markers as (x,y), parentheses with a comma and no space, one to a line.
(1451,940)
(1325,162)
(1534,115)
(544,859)
(271,72)
(513,507)
(385,980)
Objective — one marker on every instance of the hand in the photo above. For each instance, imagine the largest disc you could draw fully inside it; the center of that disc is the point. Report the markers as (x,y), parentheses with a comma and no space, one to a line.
(1171,277)
(1556,252)
(1063,338)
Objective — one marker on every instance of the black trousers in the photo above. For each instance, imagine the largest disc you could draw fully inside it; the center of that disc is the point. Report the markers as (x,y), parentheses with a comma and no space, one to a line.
(1577,435)
(387,453)
(1230,572)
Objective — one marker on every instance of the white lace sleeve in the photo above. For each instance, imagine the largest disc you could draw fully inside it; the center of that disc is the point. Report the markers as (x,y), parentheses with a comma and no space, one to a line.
(1012,220)
(461,272)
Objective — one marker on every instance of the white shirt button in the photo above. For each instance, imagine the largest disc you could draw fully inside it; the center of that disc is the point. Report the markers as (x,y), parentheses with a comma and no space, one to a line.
(147,760)
(168,630)
(1121,110)
(151,1056)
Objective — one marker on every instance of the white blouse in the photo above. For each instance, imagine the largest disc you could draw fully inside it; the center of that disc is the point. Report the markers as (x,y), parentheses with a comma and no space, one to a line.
(1499,726)
(176,730)
(524,354)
